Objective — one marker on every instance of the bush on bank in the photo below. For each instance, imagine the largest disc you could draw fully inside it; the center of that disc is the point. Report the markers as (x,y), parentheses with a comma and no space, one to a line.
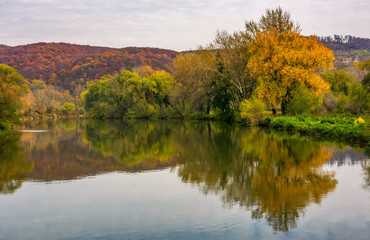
(348,128)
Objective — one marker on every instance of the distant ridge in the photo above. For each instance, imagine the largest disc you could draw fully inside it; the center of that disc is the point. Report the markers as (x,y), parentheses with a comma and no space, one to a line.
(347,42)
(68,65)
(3,46)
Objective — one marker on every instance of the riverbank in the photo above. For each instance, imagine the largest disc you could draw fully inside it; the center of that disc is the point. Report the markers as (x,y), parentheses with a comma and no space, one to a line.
(347,128)
(353,129)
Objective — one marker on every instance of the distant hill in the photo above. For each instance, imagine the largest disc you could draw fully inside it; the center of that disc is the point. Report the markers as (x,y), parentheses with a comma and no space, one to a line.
(347,50)
(69,64)
(348,42)
(3,46)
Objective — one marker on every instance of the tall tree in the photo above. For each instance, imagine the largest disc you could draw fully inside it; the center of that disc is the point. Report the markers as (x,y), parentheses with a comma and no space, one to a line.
(194,74)
(283,60)
(274,19)
(222,96)
(233,51)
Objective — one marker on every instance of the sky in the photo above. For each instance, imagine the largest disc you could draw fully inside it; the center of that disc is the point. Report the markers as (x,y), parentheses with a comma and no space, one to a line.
(171,24)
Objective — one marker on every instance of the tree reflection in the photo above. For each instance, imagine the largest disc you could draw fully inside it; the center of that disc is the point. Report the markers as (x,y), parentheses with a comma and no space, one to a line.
(366,171)
(73,149)
(14,169)
(274,177)
(131,142)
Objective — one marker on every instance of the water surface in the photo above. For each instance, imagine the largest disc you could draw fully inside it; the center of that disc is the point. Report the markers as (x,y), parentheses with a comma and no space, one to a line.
(92,179)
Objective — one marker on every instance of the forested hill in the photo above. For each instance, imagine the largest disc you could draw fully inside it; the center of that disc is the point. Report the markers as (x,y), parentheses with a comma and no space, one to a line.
(69,64)
(3,46)
(347,50)
(348,42)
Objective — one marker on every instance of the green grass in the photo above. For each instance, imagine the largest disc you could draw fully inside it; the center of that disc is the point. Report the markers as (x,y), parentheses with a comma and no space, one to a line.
(331,127)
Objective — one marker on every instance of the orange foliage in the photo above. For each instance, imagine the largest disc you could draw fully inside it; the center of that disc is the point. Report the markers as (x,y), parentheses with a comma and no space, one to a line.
(62,63)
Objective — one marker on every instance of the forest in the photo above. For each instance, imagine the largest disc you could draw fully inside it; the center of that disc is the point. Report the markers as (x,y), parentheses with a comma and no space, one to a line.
(268,74)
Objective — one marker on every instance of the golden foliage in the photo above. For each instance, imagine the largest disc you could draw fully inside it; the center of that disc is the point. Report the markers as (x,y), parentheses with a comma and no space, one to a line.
(283,61)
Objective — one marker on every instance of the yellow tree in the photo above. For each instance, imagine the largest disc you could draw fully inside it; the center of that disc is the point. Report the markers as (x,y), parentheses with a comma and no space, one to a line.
(284,61)
(11,90)
(194,73)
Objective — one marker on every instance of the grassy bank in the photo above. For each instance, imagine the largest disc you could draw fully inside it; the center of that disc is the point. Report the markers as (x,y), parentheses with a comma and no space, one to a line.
(331,127)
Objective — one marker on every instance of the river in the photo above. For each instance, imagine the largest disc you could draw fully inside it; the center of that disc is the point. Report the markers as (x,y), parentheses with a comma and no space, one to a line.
(115,179)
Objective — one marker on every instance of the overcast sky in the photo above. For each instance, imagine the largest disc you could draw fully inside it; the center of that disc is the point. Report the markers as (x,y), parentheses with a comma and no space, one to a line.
(171,24)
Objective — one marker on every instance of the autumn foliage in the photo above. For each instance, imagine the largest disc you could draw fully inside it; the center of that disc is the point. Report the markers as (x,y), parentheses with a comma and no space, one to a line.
(286,61)
(68,65)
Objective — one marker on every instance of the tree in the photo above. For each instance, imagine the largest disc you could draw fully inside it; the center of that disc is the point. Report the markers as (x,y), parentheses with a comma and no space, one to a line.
(339,81)
(128,95)
(68,108)
(194,74)
(359,98)
(366,82)
(275,19)
(221,92)
(11,90)
(284,61)
(233,52)
(304,101)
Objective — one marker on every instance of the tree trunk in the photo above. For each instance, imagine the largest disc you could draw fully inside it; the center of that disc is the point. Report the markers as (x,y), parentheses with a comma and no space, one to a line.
(284,104)
(274,111)
(285,101)
(208,107)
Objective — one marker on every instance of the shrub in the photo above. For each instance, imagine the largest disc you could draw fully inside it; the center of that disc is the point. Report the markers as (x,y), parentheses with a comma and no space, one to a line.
(330,102)
(252,110)
(67,108)
(304,101)
(358,98)
(342,103)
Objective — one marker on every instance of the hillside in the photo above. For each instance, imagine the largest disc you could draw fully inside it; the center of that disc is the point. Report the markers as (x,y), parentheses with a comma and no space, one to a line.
(347,50)
(3,46)
(67,65)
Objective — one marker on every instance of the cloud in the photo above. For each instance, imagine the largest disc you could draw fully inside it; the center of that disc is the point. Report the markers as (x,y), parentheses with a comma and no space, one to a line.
(179,25)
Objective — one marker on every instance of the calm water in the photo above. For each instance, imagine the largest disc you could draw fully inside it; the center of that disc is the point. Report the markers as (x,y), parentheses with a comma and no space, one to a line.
(89,179)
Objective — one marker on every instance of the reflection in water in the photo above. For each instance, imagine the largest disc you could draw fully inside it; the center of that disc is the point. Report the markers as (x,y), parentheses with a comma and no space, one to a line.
(131,142)
(366,171)
(274,177)
(73,149)
(14,169)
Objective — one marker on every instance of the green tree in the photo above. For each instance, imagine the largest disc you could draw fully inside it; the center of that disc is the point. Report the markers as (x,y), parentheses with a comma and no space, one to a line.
(68,108)
(11,90)
(366,82)
(128,95)
(252,110)
(233,51)
(221,92)
(339,81)
(304,101)
(359,98)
